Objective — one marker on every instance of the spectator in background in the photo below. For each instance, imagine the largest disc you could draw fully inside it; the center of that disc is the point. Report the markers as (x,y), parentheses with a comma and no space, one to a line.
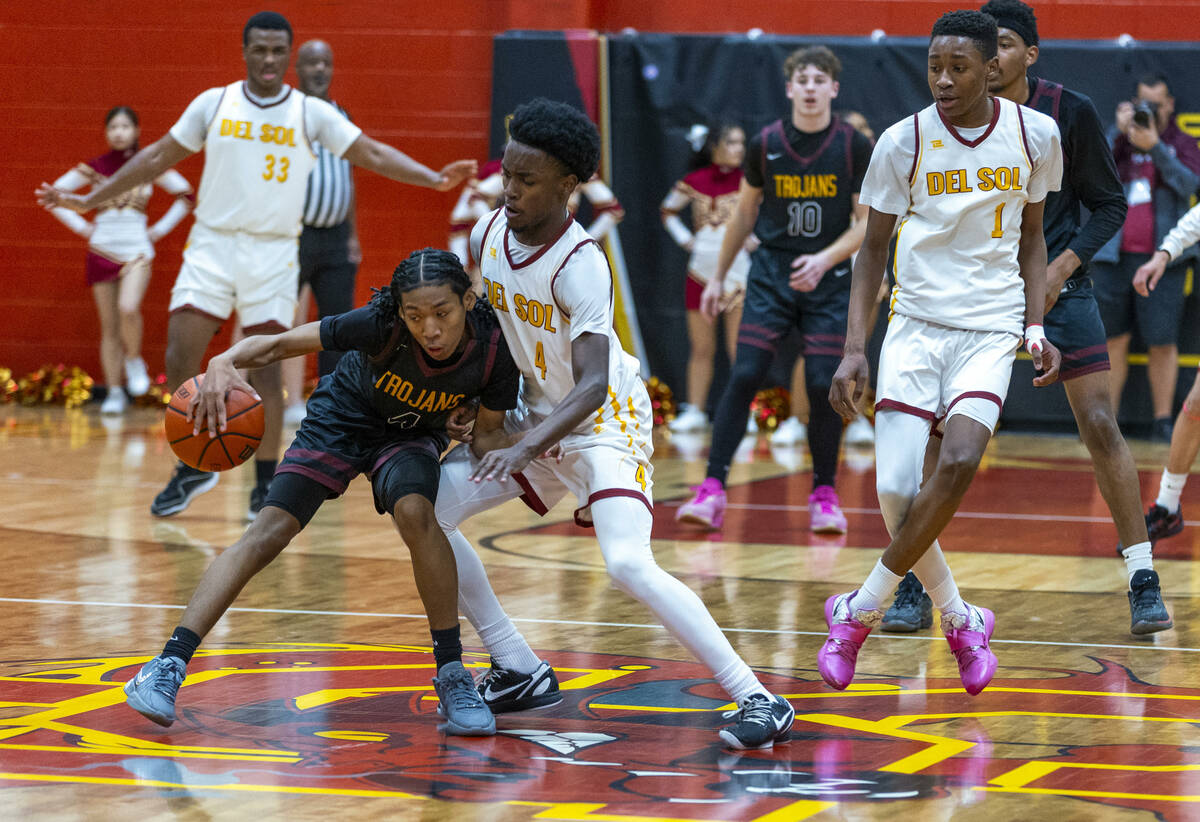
(479,196)
(120,251)
(1159,166)
(710,190)
(329,249)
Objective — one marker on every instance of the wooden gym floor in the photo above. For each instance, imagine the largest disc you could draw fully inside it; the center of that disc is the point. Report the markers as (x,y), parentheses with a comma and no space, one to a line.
(311,699)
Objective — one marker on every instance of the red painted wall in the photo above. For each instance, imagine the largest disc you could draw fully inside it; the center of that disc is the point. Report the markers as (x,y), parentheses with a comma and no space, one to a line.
(415,73)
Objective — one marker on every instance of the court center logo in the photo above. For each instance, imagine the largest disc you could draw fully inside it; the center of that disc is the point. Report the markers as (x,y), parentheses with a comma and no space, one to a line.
(633,738)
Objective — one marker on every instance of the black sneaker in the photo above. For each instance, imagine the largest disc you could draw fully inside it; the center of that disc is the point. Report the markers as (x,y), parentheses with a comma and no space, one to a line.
(911,610)
(1147,613)
(760,722)
(186,484)
(1162,429)
(258,495)
(1161,523)
(506,691)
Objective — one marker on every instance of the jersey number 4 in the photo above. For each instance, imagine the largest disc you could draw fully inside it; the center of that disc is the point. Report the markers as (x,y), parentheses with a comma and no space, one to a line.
(279,173)
(539,359)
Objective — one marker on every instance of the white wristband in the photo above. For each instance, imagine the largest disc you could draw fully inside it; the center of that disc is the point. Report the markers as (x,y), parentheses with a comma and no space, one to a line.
(1035,338)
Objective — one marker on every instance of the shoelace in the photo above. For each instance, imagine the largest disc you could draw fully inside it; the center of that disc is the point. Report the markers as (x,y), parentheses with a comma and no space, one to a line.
(167,679)
(1144,597)
(756,710)
(906,595)
(461,690)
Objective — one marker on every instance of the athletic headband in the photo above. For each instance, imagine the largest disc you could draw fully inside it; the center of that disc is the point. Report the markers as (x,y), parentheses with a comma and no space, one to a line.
(1027,34)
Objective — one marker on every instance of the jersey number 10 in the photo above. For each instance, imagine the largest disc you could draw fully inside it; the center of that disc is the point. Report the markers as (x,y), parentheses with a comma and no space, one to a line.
(804,219)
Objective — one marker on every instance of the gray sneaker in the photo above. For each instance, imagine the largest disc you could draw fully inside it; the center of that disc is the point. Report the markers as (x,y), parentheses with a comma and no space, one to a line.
(461,705)
(185,484)
(152,692)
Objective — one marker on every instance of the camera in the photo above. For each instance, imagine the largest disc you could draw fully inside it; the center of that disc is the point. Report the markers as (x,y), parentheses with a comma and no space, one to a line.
(1145,113)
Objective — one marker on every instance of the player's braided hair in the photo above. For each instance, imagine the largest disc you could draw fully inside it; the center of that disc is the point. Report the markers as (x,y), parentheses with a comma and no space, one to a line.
(426,266)
(976,26)
(1016,16)
(562,131)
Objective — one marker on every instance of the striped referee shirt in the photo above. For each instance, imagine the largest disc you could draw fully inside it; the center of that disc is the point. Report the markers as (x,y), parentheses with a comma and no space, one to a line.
(330,187)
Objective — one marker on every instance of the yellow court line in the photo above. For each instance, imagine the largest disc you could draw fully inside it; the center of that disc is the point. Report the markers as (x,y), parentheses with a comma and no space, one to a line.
(236,786)
(586,812)
(1147,797)
(1027,772)
(173,754)
(940,748)
(898,721)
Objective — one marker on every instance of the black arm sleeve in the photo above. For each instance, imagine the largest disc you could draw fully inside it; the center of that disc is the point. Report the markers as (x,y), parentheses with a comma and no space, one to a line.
(362,329)
(860,149)
(500,392)
(752,166)
(1093,177)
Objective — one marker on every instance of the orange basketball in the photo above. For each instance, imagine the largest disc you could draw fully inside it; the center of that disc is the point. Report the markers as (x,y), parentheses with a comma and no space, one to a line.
(243,430)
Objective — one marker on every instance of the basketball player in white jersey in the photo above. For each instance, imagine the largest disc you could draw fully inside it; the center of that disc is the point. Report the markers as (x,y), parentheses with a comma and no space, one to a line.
(551,287)
(968,178)
(242,251)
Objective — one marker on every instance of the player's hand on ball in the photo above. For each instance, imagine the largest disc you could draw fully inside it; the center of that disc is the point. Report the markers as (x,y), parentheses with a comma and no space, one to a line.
(207,406)
(455,173)
(849,383)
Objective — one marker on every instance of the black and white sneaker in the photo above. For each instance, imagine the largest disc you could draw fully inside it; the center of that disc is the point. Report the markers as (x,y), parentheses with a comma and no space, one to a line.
(760,722)
(1147,613)
(506,691)
(185,485)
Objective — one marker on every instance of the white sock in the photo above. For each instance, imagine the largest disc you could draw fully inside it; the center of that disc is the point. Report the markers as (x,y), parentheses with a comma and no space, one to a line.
(1170,489)
(1137,558)
(506,645)
(939,583)
(879,587)
(739,681)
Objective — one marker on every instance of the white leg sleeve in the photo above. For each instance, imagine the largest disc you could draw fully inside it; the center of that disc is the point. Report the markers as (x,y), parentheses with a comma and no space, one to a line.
(623,530)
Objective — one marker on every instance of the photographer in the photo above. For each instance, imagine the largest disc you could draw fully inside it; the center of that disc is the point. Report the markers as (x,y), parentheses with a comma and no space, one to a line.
(1159,167)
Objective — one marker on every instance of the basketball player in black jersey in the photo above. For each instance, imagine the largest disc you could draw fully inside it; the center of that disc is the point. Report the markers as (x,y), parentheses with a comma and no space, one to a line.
(800,197)
(1072,317)
(421,348)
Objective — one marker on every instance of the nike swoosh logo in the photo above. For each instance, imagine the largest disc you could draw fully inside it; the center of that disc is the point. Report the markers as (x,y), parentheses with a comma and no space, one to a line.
(488,693)
(775,156)
(142,676)
(841,272)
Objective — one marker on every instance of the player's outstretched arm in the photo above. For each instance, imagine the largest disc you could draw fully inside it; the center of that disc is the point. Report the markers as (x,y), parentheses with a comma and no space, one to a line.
(850,380)
(207,406)
(142,167)
(396,165)
(589,364)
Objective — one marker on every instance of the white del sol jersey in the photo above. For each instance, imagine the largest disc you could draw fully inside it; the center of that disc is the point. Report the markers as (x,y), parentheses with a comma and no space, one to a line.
(546,297)
(961,196)
(256,165)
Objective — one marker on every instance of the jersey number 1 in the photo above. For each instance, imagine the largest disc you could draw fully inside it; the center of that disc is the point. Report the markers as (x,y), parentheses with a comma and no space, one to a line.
(998,231)
(539,359)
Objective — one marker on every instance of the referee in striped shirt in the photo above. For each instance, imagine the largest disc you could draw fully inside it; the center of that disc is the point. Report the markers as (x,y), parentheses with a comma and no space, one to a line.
(329,250)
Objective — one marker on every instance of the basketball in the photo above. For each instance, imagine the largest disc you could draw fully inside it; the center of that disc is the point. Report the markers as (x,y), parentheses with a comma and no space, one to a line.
(243,430)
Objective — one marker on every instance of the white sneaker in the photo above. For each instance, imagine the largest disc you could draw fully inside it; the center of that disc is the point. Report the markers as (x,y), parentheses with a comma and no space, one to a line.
(790,432)
(690,418)
(137,381)
(859,432)
(115,402)
(295,414)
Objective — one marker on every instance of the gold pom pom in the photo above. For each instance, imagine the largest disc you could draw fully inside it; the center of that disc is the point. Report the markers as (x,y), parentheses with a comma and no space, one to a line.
(662,401)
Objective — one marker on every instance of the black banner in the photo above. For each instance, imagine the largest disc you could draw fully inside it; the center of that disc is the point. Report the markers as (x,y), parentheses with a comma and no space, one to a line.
(662,84)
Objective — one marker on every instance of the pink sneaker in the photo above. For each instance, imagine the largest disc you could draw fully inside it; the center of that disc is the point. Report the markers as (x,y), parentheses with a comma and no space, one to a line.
(968,637)
(847,630)
(707,508)
(825,512)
